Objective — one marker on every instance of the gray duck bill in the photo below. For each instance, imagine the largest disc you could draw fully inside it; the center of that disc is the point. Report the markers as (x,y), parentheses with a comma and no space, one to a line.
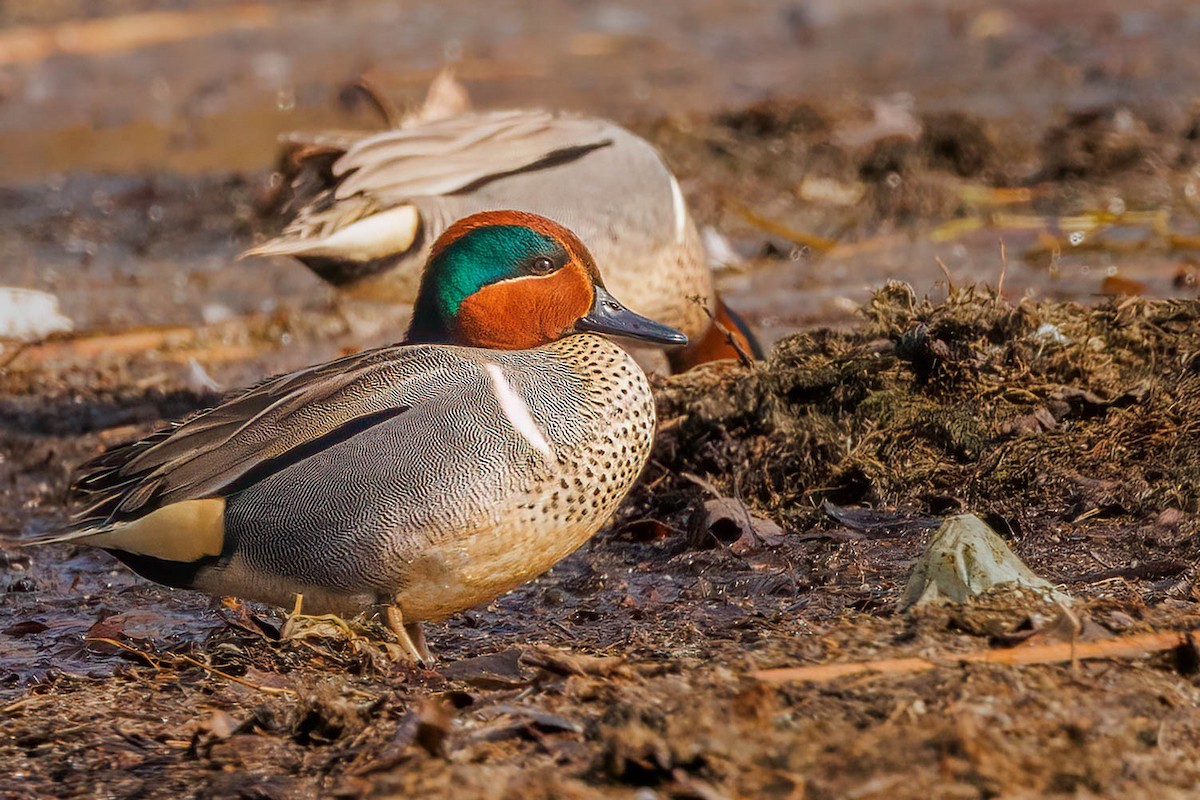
(611,318)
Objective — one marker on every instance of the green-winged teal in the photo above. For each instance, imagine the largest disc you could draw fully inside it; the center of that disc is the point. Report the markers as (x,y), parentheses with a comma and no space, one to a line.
(373,203)
(422,478)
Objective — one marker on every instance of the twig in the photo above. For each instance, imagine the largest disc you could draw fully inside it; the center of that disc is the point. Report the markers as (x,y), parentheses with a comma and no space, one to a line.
(173,343)
(702,483)
(802,238)
(730,339)
(1003,270)
(149,659)
(11,357)
(14,706)
(1056,653)
(242,681)
(946,273)
(189,660)
(743,357)
(383,105)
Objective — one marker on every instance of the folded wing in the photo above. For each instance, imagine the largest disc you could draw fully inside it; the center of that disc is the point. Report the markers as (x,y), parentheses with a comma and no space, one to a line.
(364,214)
(260,431)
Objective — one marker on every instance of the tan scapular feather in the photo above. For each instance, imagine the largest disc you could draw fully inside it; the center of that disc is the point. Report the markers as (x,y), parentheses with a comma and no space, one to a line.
(378,176)
(377,235)
(183,532)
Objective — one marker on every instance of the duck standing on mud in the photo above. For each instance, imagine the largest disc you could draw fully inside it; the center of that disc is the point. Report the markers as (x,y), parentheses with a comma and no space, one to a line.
(373,203)
(422,478)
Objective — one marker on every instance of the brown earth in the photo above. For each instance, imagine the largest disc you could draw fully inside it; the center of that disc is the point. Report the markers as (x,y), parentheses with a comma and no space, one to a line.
(1072,429)
(1059,407)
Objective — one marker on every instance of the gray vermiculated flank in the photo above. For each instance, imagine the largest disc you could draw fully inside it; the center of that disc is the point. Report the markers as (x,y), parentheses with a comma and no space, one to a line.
(352,519)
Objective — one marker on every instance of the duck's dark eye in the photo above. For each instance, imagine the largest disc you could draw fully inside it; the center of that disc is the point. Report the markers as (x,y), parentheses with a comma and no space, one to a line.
(542,266)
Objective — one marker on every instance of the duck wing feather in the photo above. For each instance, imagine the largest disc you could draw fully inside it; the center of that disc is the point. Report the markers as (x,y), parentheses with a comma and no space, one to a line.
(279,421)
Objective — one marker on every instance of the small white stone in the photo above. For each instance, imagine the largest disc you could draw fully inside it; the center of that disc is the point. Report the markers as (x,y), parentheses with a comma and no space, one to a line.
(29,315)
(964,559)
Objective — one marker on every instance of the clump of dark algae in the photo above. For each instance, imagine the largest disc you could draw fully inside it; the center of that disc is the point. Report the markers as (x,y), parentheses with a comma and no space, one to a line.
(1071,430)
(1033,412)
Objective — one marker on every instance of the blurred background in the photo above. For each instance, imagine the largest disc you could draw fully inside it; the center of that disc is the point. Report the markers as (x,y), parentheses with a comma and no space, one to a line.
(828,145)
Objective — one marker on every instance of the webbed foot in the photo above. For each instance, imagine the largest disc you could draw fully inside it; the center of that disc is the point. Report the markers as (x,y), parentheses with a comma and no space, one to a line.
(410,635)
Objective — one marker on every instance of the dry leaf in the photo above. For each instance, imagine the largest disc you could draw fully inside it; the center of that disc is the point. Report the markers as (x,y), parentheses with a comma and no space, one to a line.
(493,671)
(726,521)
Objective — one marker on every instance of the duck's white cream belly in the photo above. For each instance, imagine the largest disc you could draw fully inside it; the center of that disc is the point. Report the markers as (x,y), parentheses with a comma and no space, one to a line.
(484,564)
(472,492)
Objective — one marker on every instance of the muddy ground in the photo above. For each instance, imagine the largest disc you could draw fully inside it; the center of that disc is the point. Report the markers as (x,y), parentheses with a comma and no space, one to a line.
(1028,171)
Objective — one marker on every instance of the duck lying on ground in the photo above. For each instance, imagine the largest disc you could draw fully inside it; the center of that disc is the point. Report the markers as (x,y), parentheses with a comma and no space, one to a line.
(373,203)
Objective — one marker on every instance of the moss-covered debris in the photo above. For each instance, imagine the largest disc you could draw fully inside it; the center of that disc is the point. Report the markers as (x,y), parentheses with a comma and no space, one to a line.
(974,402)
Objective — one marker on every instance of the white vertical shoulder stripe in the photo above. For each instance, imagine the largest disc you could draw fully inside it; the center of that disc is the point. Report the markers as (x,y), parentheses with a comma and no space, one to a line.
(680,209)
(517,411)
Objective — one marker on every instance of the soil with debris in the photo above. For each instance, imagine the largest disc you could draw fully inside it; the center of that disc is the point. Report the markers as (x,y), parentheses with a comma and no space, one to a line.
(1035,384)
(784,508)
